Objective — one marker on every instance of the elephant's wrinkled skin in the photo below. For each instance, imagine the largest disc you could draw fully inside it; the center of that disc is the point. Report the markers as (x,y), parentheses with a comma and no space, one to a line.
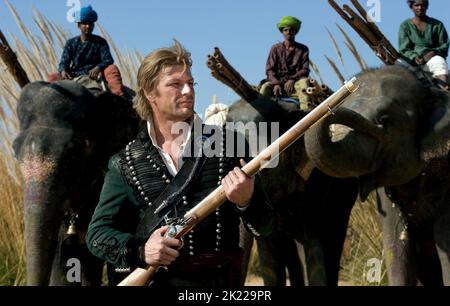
(395,136)
(66,138)
(312,211)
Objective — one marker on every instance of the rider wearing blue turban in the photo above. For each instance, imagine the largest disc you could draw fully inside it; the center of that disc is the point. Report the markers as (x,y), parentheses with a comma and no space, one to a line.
(86,15)
(89,54)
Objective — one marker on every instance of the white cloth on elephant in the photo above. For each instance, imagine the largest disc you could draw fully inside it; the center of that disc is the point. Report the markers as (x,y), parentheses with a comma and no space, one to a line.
(216,114)
(437,66)
(90,84)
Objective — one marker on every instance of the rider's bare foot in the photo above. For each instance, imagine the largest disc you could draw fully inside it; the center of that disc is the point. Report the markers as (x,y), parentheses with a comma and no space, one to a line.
(442,82)
(445,87)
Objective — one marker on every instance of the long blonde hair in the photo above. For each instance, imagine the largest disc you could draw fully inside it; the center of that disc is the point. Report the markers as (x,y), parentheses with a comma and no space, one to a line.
(150,70)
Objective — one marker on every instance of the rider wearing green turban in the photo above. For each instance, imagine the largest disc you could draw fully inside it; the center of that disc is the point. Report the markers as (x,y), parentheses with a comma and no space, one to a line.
(287,67)
(289,21)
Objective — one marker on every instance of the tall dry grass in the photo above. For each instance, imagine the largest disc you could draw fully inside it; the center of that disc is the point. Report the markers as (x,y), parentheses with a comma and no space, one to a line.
(12,247)
(363,245)
(353,51)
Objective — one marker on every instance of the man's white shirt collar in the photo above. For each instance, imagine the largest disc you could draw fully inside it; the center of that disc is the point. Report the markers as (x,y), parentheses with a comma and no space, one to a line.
(165,156)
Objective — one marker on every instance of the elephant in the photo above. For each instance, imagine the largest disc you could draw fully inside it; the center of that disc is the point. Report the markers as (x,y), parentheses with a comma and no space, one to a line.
(66,137)
(393,134)
(312,209)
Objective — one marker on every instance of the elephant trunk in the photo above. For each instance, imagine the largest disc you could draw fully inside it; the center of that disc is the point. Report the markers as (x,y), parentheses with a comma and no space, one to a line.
(42,219)
(350,156)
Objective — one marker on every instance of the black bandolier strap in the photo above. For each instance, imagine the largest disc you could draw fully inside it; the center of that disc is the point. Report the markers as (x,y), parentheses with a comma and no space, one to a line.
(140,164)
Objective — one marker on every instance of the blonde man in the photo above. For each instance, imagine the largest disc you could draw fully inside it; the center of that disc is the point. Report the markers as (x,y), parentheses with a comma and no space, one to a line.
(137,176)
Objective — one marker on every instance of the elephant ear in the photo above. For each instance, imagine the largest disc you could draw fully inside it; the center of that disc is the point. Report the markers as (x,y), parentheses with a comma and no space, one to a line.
(116,124)
(25,112)
(436,142)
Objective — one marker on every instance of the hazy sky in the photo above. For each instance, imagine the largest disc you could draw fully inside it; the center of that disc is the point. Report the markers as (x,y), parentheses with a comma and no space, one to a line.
(243,29)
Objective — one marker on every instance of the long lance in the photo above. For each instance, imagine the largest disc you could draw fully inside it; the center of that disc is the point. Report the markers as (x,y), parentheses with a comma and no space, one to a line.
(143,276)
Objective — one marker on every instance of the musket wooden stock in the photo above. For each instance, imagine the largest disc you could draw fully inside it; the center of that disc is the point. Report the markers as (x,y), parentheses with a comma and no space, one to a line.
(142,277)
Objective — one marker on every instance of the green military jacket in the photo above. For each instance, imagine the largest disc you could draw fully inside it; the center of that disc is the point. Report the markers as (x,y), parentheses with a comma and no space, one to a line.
(111,233)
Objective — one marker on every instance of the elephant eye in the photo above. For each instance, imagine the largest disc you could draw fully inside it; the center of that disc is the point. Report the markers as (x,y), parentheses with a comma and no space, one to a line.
(383,119)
